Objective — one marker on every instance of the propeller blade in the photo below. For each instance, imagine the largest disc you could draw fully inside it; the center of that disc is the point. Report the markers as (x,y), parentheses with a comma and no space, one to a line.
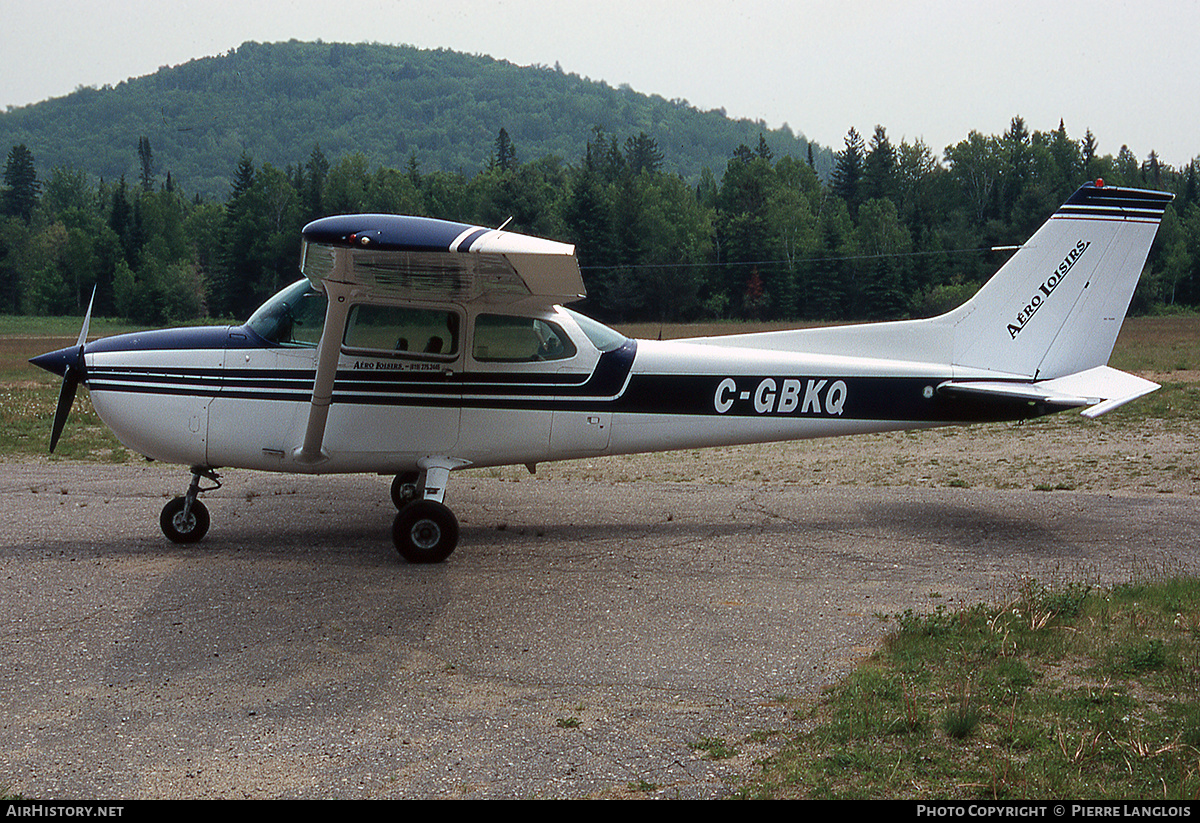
(74,374)
(87,319)
(66,397)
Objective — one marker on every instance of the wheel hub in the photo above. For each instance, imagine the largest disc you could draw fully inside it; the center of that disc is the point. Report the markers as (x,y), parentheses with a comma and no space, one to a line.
(426,534)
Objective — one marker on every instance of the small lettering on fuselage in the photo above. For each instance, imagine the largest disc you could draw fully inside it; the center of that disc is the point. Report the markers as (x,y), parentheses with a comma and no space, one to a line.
(388,365)
(785,395)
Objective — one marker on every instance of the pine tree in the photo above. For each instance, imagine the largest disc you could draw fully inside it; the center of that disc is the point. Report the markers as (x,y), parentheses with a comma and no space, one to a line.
(243,179)
(506,153)
(879,168)
(146,158)
(1087,148)
(1018,156)
(1152,170)
(234,284)
(642,154)
(312,195)
(121,221)
(21,186)
(764,151)
(848,172)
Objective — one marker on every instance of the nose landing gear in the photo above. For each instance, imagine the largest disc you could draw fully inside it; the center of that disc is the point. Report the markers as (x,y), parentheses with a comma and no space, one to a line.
(185,519)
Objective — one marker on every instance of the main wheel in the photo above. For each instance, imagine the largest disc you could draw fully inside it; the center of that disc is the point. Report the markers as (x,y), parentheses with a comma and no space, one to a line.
(404,489)
(180,529)
(425,531)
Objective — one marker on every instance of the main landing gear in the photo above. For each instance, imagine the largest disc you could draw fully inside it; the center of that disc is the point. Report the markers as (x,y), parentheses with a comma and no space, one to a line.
(425,530)
(185,519)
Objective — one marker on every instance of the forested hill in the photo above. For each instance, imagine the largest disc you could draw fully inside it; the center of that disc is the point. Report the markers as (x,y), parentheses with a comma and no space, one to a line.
(184,193)
(393,104)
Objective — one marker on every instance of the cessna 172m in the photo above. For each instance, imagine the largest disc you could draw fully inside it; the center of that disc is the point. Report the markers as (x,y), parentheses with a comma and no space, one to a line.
(413,347)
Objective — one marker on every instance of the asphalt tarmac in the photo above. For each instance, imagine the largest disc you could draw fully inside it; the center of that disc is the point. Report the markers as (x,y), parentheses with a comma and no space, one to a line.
(584,637)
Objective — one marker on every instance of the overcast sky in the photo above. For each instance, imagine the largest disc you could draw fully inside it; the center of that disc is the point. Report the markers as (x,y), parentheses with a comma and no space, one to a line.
(934,70)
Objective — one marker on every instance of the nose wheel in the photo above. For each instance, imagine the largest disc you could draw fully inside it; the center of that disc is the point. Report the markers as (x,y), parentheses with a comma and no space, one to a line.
(182,524)
(185,519)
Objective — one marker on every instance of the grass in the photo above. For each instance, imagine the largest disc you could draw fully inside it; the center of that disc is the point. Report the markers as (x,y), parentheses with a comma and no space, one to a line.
(1158,344)
(29,395)
(1061,692)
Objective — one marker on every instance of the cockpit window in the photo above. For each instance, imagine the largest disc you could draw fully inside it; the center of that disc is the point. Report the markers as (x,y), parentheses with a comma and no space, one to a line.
(402,329)
(295,317)
(504,339)
(602,337)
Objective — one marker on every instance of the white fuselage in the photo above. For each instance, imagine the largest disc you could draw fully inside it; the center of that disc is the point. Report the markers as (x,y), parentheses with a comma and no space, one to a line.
(222,397)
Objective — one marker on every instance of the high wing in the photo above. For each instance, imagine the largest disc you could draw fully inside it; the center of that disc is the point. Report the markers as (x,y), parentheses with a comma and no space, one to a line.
(388,256)
(423,258)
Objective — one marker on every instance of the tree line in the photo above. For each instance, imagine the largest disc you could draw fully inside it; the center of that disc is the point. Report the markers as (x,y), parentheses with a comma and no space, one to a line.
(895,231)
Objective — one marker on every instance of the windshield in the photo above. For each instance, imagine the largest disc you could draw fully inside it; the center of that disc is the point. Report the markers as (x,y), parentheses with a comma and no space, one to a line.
(602,337)
(293,317)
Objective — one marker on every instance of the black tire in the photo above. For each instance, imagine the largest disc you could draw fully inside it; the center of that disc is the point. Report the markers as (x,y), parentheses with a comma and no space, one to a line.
(179,530)
(404,489)
(425,531)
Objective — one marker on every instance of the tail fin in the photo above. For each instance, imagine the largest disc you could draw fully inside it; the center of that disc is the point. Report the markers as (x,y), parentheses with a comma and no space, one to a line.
(1055,307)
(1050,315)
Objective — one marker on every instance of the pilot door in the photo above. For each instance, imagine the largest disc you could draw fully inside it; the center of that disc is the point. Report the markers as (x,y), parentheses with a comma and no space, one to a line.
(397,392)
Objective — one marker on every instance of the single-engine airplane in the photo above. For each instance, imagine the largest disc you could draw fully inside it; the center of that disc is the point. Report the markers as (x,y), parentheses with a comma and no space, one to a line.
(414,347)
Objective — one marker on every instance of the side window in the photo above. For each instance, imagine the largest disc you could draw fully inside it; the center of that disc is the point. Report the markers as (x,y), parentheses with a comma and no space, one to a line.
(402,330)
(504,339)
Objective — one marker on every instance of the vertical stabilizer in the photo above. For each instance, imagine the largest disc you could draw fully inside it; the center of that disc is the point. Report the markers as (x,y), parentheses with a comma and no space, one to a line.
(1056,306)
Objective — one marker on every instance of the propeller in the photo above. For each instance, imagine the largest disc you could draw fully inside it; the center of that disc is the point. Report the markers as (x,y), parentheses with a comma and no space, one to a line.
(68,362)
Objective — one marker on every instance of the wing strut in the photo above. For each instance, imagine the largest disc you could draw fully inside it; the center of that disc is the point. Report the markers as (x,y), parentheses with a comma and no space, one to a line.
(328,350)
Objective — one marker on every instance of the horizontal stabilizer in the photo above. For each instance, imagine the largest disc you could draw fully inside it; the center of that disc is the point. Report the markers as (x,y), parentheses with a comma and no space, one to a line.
(1101,389)
(1110,387)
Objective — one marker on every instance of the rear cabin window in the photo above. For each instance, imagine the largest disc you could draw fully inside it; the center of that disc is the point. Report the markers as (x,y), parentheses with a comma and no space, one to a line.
(402,330)
(505,339)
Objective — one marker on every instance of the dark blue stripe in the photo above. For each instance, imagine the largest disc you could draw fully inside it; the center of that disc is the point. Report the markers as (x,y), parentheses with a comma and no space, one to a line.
(863,398)
(200,337)
(1117,200)
(606,380)
(465,245)
(389,232)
